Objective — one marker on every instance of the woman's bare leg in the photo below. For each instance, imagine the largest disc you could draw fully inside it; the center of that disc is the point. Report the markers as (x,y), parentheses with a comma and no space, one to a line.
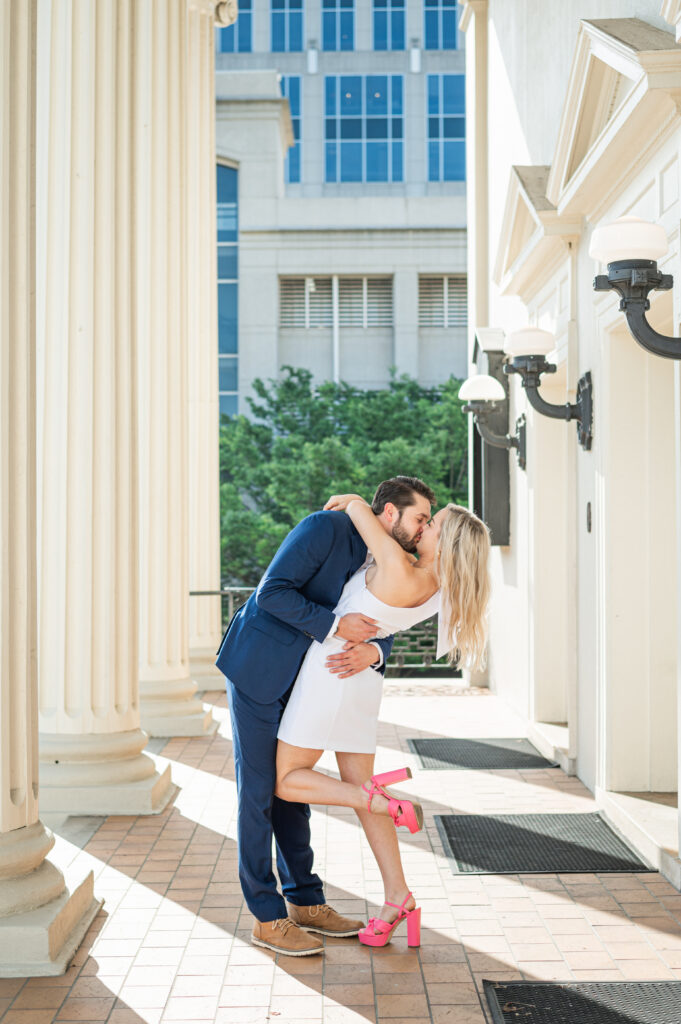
(380,831)
(297,781)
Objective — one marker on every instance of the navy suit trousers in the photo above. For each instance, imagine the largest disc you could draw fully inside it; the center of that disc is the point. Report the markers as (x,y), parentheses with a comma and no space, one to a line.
(254,730)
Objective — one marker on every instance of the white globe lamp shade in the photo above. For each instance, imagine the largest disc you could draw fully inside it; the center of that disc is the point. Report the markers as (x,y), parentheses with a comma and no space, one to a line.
(628,238)
(482,388)
(531,341)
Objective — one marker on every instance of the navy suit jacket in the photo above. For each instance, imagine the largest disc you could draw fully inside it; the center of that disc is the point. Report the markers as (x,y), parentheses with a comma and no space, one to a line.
(266,641)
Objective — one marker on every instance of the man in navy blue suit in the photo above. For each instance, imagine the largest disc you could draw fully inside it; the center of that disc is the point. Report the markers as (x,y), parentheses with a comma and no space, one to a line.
(261,654)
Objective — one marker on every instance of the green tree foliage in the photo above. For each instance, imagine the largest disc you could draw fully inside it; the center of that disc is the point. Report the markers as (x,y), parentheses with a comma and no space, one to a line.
(304,442)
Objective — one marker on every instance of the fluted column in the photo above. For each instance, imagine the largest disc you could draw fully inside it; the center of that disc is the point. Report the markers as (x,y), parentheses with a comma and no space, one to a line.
(41,921)
(205,616)
(91,740)
(169,704)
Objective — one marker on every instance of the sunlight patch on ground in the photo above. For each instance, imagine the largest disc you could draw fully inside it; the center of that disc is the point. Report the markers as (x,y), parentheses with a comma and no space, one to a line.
(204,798)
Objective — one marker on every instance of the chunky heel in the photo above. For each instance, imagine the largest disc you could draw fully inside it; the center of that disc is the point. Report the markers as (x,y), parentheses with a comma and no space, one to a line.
(403,812)
(379,932)
(414,927)
(417,824)
(390,778)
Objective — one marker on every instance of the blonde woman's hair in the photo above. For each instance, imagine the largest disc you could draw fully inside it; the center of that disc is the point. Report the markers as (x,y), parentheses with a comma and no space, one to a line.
(463,555)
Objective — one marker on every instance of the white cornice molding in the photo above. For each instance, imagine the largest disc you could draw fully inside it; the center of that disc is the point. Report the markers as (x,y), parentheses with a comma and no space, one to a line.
(468,9)
(671,12)
(257,108)
(490,339)
(534,239)
(623,95)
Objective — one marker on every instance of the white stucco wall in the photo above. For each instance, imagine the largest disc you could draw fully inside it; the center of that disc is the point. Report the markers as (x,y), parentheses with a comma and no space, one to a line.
(583,623)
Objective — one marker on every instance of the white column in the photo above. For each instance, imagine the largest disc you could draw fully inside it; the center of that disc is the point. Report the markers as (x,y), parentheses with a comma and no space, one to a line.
(41,921)
(168,702)
(474,24)
(91,740)
(205,613)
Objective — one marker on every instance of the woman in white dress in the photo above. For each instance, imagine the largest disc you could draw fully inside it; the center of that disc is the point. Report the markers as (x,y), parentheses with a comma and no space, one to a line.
(326,712)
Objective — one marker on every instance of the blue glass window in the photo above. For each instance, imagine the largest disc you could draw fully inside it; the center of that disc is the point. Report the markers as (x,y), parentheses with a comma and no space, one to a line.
(363,128)
(290,88)
(228,265)
(439,29)
(338,24)
(446,128)
(228,375)
(287,26)
(229,405)
(388,24)
(238,38)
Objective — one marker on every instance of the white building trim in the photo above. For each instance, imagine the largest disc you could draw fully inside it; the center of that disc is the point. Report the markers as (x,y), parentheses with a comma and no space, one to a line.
(622,99)
(534,239)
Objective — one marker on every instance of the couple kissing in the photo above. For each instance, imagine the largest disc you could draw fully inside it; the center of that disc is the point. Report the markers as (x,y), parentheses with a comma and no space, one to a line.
(304,660)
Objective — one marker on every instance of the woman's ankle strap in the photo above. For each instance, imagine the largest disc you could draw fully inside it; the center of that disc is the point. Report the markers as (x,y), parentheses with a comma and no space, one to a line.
(399,906)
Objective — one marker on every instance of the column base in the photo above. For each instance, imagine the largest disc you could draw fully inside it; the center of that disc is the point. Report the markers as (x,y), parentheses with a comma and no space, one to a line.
(170,708)
(101,774)
(203,670)
(42,942)
(42,922)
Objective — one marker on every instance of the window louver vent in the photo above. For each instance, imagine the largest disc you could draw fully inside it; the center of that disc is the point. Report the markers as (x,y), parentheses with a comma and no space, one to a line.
(306,302)
(350,302)
(320,303)
(292,302)
(457,301)
(379,302)
(443,301)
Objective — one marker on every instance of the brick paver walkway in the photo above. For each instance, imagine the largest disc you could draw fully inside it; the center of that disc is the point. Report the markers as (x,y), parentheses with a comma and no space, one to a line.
(171,943)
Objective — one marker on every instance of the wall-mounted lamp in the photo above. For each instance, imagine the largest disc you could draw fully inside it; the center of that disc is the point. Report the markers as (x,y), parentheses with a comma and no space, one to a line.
(483,394)
(631,248)
(527,350)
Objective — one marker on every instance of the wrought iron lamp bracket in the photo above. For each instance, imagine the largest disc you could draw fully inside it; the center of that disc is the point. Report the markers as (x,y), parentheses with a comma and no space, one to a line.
(481,412)
(633,280)
(531,368)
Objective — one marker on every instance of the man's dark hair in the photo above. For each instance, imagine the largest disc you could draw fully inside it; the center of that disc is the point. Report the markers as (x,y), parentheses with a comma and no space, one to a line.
(400,492)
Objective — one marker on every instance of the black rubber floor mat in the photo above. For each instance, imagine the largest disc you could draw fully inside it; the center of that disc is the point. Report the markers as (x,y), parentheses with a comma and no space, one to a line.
(585,1002)
(462,754)
(510,844)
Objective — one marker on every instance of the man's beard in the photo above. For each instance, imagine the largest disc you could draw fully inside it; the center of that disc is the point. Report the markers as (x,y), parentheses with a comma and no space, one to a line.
(404,539)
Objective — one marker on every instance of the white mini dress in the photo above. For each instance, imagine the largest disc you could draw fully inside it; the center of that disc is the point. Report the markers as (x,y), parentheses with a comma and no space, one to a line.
(325,712)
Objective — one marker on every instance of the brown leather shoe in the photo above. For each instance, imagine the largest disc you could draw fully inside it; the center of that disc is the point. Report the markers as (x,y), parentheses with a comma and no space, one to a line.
(324,920)
(284,936)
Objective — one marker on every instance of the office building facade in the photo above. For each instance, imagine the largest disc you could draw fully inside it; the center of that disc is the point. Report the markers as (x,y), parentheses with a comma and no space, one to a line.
(343,127)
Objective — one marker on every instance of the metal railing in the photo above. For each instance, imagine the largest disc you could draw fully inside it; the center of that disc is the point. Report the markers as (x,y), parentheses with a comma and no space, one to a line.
(413,651)
(236,597)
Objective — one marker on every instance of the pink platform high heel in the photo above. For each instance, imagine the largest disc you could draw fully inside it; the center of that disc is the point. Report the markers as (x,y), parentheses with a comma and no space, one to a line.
(379,932)
(403,812)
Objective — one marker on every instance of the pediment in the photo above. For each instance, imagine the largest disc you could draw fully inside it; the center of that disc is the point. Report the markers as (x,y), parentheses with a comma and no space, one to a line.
(532,233)
(624,85)
(524,226)
(605,89)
